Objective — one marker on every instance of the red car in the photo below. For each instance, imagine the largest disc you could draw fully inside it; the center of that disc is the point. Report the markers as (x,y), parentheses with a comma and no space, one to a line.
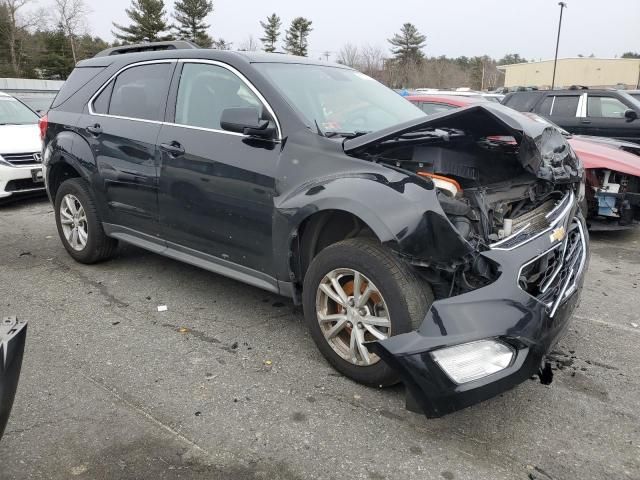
(612,167)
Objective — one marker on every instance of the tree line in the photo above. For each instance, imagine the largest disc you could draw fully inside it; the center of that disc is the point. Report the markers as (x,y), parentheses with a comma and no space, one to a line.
(45,40)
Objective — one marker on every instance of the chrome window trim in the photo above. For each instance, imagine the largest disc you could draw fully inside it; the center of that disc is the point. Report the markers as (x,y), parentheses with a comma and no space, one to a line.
(172,124)
(582,106)
(104,85)
(244,80)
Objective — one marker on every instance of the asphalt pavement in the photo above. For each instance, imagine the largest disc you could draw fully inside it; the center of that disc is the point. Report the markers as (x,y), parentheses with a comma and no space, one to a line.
(227,383)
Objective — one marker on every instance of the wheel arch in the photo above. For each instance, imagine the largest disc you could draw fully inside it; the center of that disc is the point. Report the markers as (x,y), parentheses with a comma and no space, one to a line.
(69,156)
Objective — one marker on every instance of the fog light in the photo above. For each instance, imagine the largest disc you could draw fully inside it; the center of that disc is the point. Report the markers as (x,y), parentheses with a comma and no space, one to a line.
(474,360)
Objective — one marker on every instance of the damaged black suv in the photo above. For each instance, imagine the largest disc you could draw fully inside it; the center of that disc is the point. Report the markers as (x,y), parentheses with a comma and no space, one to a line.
(445,252)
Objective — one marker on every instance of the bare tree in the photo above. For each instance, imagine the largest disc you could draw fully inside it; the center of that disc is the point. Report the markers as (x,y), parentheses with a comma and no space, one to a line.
(71,15)
(16,27)
(349,55)
(371,60)
(250,44)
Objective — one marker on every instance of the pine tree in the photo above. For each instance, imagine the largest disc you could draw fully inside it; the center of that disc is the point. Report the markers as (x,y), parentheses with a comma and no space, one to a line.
(190,15)
(408,44)
(297,36)
(271,32)
(148,25)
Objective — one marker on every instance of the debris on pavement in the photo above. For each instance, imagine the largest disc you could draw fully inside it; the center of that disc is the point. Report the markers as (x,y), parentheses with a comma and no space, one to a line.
(162,308)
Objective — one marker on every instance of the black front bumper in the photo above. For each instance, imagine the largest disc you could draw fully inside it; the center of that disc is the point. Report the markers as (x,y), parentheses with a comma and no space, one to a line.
(501,310)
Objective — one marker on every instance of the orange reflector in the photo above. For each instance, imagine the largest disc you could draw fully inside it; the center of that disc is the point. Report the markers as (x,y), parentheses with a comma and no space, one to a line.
(436,178)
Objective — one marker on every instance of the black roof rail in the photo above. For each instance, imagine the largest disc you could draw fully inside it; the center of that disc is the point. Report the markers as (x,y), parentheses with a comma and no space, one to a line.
(148,47)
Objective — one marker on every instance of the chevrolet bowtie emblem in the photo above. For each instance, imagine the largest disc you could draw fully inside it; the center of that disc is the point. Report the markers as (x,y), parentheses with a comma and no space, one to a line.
(557,235)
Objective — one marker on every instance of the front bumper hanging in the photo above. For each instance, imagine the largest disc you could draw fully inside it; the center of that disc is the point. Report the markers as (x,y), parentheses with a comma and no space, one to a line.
(529,319)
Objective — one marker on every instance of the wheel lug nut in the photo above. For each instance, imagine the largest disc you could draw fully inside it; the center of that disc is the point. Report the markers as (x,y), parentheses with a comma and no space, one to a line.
(362,312)
(351,302)
(360,325)
(349,324)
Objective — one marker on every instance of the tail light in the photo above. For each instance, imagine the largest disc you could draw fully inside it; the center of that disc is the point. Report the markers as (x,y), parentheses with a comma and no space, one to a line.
(43,123)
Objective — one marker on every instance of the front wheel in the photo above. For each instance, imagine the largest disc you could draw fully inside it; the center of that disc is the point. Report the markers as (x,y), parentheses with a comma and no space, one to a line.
(357,291)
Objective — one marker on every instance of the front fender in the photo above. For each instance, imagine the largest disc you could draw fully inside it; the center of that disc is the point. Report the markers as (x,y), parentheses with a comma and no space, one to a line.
(402,210)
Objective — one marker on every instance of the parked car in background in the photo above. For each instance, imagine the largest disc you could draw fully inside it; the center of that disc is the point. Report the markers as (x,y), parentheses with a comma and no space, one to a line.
(603,113)
(314,181)
(612,196)
(20,148)
(36,101)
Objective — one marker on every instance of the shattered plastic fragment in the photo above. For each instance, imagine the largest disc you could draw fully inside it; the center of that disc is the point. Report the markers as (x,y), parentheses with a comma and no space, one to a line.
(184,330)
(162,308)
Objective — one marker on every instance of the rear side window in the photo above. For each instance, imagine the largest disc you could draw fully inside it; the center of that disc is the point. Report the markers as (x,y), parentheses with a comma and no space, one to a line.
(545,106)
(140,92)
(78,79)
(101,103)
(565,106)
(522,101)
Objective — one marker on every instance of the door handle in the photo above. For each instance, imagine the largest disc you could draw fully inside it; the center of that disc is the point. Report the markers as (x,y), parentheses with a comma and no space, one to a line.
(94,130)
(585,121)
(173,148)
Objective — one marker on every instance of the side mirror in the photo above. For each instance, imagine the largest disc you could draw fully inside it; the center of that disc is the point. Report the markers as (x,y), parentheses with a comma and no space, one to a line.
(630,115)
(246,120)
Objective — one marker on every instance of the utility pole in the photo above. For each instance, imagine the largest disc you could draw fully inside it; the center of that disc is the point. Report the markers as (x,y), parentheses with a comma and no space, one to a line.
(563,5)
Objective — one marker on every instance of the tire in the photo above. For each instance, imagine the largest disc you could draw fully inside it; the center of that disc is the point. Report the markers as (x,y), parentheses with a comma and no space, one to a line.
(97,246)
(404,296)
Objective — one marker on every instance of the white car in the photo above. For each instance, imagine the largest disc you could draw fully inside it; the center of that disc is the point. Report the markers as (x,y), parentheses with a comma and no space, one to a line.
(20,148)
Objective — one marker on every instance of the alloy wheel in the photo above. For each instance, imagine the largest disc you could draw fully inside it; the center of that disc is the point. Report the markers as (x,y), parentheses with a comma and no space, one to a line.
(73,220)
(351,311)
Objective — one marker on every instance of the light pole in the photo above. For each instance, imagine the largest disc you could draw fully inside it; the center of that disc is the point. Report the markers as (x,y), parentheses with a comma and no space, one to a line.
(563,5)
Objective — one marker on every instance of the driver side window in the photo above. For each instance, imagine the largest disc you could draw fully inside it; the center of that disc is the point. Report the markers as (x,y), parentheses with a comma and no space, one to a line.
(205,91)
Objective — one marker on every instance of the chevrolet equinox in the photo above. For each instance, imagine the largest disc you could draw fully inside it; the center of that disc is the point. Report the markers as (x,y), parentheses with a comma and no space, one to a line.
(446,252)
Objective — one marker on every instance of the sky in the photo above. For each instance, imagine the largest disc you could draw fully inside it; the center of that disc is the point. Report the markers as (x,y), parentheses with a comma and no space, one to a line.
(453,27)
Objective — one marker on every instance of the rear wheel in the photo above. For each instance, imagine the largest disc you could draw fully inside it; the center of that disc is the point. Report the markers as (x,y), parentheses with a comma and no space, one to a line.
(79,225)
(357,291)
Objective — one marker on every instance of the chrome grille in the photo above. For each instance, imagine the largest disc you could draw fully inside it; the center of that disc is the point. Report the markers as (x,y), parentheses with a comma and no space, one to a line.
(533,224)
(553,276)
(22,159)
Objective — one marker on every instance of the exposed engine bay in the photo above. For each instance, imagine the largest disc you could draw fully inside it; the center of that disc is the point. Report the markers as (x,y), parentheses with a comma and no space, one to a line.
(498,183)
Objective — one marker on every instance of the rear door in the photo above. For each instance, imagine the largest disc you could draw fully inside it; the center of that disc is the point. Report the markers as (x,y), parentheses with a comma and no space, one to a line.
(122,127)
(605,114)
(216,187)
(562,109)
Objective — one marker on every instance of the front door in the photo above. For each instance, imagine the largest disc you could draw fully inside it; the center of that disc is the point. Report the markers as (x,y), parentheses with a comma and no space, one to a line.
(122,127)
(607,115)
(216,187)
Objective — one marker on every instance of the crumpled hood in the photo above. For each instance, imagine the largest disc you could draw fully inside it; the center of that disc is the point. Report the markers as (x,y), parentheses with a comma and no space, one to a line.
(595,154)
(20,138)
(543,150)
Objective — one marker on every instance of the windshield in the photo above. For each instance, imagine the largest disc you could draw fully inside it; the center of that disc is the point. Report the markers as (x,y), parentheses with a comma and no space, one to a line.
(13,112)
(339,101)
